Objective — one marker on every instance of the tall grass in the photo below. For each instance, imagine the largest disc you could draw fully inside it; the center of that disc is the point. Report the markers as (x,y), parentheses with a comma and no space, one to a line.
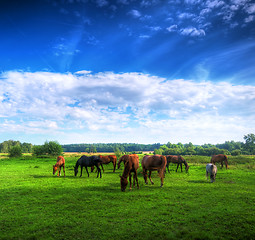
(37,205)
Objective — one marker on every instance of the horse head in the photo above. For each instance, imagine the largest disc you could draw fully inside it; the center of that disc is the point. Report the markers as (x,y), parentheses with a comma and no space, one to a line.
(75,171)
(123,183)
(55,168)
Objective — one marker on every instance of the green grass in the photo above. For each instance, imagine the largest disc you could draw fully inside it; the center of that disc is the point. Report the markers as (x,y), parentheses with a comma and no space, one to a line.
(37,205)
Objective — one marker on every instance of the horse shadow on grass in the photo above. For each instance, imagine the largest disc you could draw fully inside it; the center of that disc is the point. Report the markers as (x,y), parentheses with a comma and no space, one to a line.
(198,181)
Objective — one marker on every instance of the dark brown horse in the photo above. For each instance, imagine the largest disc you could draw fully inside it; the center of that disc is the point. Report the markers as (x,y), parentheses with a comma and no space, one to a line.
(220,158)
(57,167)
(107,159)
(152,163)
(179,160)
(124,158)
(131,165)
(85,161)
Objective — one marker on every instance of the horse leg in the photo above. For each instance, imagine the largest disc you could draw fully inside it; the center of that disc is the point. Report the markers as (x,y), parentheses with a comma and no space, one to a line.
(206,175)
(135,178)
(177,167)
(130,182)
(181,166)
(145,176)
(161,174)
(99,171)
(87,170)
(221,164)
(101,166)
(59,171)
(226,163)
(114,166)
(167,166)
(81,170)
(150,177)
(64,171)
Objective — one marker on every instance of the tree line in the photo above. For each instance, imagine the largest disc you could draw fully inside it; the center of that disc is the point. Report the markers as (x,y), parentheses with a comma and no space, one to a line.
(110,147)
(54,148)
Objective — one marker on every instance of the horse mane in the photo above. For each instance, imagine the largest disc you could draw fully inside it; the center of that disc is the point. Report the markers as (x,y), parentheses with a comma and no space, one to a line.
(79,161)
(127,169)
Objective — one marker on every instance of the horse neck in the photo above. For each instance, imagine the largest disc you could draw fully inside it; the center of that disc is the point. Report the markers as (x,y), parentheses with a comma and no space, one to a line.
(78,163)
(185,163)
(127,169)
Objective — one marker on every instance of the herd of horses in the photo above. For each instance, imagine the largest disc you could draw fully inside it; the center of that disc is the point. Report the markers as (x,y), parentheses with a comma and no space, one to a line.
(149,163)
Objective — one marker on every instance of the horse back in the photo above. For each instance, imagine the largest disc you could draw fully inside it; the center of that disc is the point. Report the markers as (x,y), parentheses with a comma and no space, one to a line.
(134,160)
(154,162)
(60,161)
(218,158)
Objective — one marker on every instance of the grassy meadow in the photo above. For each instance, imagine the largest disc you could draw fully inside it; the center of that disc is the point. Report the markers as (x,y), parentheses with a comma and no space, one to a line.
(37,205)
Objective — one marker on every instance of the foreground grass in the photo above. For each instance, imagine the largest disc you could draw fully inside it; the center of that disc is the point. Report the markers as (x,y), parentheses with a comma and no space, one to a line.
(37,205)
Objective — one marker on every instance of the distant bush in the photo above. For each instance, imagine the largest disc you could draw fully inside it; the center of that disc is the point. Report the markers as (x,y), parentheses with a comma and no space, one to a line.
(49,148)
(15,151)
(236,152)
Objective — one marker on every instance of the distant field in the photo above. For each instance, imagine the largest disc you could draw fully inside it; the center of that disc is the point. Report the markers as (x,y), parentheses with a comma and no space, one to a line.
(37,205)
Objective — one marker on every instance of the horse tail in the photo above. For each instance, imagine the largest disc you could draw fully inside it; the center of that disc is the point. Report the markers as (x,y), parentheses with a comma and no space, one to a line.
(163,165)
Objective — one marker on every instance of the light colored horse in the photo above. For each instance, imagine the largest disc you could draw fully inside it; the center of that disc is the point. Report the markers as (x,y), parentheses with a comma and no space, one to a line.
(212,170)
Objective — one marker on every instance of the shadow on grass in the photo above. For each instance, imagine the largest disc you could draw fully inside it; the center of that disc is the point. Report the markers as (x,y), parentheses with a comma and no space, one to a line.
(198,181)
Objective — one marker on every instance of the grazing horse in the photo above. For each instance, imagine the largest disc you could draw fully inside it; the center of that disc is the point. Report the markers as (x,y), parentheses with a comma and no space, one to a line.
(220,158)
(179,160)
(57,167)
(124,158)
(107,159)
(85,161)
(152,163)
(131,165)
(212,170)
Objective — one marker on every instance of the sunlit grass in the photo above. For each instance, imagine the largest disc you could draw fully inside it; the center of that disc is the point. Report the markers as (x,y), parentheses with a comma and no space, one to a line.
(37,205)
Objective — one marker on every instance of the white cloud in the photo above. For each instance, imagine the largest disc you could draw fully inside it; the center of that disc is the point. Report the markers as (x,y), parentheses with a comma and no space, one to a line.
(186,15)
(128,107)
(250,9)
(135,13)
(249,19)
(172,28)
(192,31)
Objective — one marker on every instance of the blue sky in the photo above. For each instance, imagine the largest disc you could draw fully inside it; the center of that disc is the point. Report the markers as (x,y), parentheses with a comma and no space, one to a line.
(87,71)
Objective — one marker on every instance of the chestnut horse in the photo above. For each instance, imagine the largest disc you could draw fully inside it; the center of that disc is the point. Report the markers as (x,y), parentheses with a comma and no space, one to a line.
(57,167)
(107,159)
(124,158)
(220,158)
(152,163)
(179,160)
(85,161)
(131,165)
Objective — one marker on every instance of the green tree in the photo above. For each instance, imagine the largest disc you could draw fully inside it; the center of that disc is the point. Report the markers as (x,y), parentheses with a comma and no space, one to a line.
(51,148)
(117,152)
(15,151)
(249,143)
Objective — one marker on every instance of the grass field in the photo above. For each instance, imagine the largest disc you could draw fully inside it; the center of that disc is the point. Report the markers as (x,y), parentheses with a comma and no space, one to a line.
(37,205)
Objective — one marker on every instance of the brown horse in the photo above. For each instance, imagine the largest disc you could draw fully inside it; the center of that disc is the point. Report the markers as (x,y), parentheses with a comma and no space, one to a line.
(152,163)
(179,160)
(57,167)
(131,165)
(124,158)
(107,159)
(220,158)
